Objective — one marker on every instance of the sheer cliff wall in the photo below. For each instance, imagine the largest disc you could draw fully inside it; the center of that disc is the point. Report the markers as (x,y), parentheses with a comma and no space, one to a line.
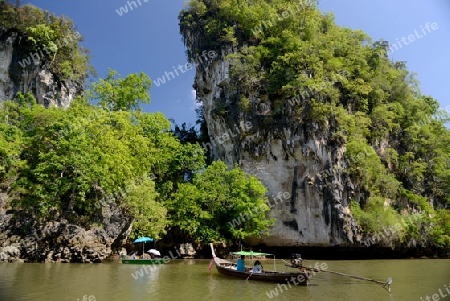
(300,165)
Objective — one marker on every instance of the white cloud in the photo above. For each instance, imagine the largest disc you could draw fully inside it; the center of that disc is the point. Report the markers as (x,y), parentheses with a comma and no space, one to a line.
(194,100)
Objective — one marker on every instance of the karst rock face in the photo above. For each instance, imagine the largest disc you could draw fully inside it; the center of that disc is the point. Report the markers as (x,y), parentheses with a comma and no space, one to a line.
(24,71)
(303,169)
(25,238)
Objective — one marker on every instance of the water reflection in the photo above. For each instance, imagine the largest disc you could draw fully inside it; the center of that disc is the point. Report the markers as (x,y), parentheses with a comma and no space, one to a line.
(148,284)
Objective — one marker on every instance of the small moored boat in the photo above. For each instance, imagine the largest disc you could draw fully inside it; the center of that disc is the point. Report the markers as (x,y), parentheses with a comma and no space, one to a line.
(142,260)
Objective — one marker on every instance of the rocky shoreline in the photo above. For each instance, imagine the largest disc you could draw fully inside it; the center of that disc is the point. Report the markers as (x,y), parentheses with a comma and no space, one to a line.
(24,238)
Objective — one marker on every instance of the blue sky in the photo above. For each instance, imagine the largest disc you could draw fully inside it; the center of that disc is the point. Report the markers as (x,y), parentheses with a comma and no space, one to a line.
(147,39)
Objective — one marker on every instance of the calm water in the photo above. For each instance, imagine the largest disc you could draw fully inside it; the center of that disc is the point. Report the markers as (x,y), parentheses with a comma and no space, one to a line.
(191,280)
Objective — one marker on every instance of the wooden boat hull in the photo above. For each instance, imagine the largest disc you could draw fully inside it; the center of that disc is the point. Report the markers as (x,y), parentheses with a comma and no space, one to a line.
(226,268)
(143,261)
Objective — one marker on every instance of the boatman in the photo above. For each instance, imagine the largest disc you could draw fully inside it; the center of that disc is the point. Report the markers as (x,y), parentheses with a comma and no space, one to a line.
(296,260)
(241,264)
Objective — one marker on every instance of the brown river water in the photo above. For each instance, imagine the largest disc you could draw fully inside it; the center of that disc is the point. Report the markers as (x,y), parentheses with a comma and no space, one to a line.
(191,280)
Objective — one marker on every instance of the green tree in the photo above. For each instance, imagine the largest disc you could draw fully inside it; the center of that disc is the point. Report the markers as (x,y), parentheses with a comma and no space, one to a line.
(42,37)
(115,94)
(10,141)
(205,209)
(68,162)
(149,215)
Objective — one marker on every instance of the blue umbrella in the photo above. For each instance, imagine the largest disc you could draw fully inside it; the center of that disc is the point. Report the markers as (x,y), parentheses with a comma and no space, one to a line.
(143,240)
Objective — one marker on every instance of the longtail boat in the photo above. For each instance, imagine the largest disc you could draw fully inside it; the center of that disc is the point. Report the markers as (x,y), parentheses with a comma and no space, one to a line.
(229,268)
(302,277)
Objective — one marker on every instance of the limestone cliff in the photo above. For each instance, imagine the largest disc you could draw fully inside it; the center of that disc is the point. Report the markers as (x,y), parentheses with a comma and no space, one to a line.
(312,110)
(300,161)
(22,70)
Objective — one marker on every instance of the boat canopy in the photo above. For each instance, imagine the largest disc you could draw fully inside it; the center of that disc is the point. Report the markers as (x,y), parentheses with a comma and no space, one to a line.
(250,253)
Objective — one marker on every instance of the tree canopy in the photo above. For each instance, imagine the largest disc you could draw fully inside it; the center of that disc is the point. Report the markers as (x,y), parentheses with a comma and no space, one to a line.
(220,205)
(70,163)
(116,94)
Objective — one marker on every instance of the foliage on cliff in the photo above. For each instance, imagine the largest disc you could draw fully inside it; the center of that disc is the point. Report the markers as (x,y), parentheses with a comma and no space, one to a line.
(54,40)
(313,71)
(70,163)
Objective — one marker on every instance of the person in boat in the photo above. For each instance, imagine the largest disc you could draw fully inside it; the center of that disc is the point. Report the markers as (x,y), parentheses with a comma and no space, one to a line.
(296,260)
(241,264)
(257,268)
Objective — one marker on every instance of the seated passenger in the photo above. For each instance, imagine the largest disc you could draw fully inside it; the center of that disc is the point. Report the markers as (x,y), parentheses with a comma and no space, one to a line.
(257,268)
